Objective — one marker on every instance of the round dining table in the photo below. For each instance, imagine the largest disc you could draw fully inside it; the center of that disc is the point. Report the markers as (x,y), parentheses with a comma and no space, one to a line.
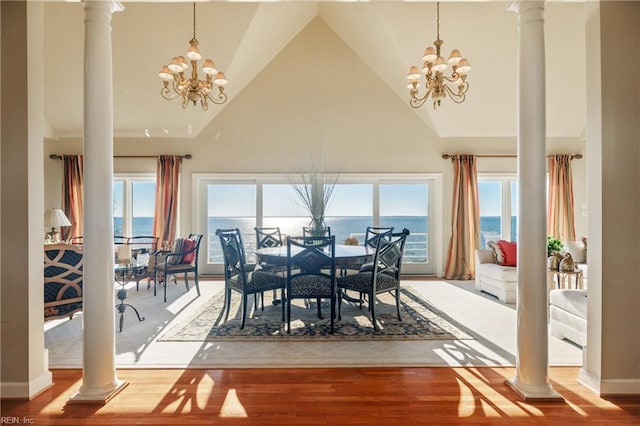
(345,254)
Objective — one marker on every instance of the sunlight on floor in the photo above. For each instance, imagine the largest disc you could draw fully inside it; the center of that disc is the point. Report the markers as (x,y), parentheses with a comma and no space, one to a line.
(232,407)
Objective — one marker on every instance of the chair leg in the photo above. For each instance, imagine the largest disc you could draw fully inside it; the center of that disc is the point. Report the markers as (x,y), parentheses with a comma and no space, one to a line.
(288,302)
(227,303)
(333,311)
(398,304)
(318,302)
(186,281)
(197,283)
(245,299)
(165,291)
(282,302)
(339,304)
(262,300)
(372,306)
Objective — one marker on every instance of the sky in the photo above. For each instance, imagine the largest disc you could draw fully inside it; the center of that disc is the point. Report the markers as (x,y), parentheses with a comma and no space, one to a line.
(280,200)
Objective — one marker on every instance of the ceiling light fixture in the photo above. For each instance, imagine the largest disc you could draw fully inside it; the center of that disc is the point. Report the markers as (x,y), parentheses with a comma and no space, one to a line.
(438,85)
(176,85)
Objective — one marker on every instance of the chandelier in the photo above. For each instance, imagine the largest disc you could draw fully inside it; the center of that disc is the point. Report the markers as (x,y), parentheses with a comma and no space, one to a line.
(176,85)
(439,85)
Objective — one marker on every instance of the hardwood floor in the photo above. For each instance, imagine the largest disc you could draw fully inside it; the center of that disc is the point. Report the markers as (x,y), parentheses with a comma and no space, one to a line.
(338,396)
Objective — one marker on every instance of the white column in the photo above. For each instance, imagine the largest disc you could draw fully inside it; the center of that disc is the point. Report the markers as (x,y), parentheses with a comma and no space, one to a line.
(99,382)
(532,380)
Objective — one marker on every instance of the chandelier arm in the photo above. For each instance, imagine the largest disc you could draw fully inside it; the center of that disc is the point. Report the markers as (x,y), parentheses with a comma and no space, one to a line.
(220,98)
(166,93)
(417,102)
(457,97)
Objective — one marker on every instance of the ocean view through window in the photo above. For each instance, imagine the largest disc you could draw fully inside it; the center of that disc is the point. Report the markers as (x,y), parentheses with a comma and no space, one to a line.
(357,203)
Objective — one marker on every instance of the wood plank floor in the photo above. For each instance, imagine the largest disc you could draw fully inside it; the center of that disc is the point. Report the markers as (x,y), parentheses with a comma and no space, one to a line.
(339,396)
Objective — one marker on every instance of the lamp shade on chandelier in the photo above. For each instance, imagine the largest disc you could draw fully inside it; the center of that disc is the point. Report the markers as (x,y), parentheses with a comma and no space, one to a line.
(193,90)
(438,85)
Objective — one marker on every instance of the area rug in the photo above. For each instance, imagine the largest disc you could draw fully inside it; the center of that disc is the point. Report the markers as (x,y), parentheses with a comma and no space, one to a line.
(420,321)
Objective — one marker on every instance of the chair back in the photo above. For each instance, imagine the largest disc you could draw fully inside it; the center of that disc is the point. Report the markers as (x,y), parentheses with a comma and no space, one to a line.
(268,237)
(373,233)
(143,244)
(63,274)
(311,256)
(233,254)
(389,253)
(306,231)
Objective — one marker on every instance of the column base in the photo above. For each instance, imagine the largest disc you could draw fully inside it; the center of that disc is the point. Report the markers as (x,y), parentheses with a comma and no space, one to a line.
(98,397)
(531,393)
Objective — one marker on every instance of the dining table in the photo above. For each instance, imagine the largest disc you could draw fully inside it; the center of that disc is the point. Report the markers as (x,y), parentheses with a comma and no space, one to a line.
(344,254)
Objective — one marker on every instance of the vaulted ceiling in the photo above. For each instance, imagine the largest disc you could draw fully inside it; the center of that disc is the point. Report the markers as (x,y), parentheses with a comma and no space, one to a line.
(243,38)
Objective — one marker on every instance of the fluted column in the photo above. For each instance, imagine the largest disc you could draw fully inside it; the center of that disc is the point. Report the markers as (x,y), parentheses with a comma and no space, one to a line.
(99,381)
(532,363)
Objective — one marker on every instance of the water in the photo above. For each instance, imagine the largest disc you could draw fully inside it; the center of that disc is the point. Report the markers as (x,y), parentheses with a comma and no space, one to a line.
(341,226)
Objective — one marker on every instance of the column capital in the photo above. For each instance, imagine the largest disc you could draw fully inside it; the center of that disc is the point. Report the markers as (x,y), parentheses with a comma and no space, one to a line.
(106,5)
(527,10)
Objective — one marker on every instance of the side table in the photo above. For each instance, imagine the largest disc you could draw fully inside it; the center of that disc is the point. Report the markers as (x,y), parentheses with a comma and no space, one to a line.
(562,277)
(123,274)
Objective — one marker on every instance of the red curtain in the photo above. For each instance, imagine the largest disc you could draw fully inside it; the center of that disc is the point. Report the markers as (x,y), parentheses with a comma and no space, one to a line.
(166,205)
(560,214)
(465,219)
(72,195)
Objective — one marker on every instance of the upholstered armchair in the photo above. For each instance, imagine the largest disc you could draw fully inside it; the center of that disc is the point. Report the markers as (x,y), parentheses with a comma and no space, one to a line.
(63,274)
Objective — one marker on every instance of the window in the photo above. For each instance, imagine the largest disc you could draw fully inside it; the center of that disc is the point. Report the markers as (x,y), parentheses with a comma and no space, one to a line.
(498,200)
(133,205)
(358,201)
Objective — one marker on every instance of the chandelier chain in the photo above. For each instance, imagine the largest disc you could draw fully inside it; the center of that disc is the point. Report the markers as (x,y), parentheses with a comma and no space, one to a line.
(437,20)
(194,19)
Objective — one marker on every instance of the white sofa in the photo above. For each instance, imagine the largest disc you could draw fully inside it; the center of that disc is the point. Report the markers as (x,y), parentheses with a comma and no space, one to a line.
(500,281)
(568,315)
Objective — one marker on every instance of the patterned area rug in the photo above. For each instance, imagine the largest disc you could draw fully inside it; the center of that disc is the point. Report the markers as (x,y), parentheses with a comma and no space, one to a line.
(420,321)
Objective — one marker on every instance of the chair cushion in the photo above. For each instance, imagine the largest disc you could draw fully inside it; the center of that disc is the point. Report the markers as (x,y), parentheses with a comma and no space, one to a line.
(310,286)
(361,282)
(258,281)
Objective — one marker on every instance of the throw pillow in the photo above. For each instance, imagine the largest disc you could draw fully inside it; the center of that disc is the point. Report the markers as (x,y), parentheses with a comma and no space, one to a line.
(188,245)
(177,248)
(584,241)
(577,249)
(510,251)
(498,256)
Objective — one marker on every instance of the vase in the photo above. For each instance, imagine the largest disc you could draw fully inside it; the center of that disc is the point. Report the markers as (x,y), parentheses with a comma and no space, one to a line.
(317,227)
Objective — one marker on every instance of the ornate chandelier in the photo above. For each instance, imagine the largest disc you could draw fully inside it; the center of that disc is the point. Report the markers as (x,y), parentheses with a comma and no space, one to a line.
(438,85)
(176,85)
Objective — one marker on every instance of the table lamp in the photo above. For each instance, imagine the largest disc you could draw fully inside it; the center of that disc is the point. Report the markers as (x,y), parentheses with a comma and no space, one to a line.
(54,218)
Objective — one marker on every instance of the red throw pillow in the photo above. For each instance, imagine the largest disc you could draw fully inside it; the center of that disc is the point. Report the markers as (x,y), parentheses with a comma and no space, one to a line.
(510,251)
(188,245)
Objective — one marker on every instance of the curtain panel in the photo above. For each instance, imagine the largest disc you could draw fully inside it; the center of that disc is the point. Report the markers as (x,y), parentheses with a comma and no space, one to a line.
(560,214)
(465,219)
(166,203)
(72,195)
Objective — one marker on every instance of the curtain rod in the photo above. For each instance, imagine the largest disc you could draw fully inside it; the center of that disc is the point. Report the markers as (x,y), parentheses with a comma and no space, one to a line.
(186,156)
(447,156)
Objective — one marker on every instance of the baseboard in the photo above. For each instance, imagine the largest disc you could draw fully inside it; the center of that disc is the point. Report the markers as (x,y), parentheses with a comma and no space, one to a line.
(609,387)
(26,390)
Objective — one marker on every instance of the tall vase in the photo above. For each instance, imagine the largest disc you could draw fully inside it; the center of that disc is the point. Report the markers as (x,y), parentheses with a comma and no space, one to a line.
(317,227)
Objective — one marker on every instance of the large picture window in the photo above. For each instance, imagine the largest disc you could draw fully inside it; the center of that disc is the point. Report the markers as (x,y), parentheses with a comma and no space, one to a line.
(498,199)
(133,205)
(358,201)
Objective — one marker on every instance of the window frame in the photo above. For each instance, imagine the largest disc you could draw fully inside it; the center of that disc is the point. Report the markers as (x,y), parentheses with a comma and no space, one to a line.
(128,180)
(434,180)
(505,180)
